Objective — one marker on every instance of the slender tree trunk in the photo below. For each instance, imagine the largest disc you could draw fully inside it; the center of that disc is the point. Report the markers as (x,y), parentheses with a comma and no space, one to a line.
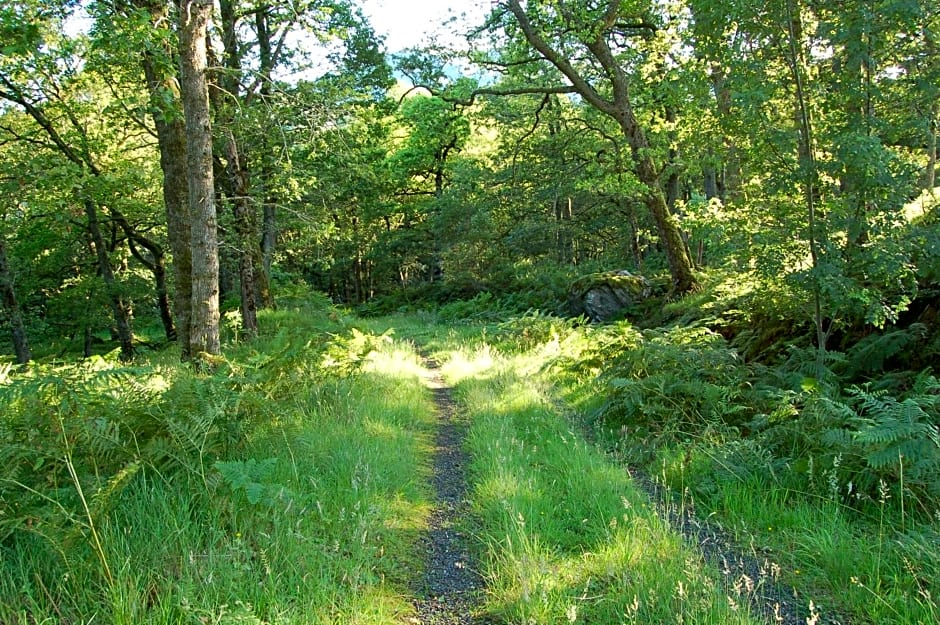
(731,178)
(930,173)
(808,166)
(12,308)
(171,137)
(246,230)
(933,108)
(670,236)
(122,320)
(269,205)
(157,266)
(204,331)
(244,224)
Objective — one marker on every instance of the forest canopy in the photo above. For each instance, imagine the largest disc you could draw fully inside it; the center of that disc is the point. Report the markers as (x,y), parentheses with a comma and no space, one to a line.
(168,164)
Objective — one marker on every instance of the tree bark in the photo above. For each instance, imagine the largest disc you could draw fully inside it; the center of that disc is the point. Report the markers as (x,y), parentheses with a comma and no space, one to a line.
(249,249)
(930,173)
(12,307)
(157,266)
(204,330)
(245,234)
(118,305)
(731,178)
(171,137)
(269,205)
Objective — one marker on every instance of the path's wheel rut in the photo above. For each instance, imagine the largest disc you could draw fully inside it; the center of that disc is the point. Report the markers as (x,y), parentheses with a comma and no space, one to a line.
(450,589)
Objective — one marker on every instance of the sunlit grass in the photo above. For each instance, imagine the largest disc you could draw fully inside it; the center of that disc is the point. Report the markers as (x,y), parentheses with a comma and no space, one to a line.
(567,537)
(327,533)
(875,573)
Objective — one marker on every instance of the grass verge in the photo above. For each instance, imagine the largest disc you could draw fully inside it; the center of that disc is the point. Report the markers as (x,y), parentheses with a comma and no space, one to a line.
(310,513)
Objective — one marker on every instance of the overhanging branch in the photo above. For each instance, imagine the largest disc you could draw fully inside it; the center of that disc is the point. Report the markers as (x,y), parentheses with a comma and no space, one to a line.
(471,99)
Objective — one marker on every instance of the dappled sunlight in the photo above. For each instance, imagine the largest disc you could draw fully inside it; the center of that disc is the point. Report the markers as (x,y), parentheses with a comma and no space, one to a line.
(923,204)
(395,363)
(381,429)
(569,537)
(372,605)
(405,514)
(503,488)
(462,366)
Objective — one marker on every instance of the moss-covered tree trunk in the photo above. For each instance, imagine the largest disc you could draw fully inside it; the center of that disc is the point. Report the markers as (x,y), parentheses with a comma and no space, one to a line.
(171,138)
(204,330)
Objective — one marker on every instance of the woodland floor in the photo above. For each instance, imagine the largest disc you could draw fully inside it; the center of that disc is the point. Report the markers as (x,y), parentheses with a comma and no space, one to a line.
(451,586)
(450,591)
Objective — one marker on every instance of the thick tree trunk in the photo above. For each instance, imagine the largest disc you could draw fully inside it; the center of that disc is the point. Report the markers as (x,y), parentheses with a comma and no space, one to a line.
(171,137)
(245,234)
(670,236)
(12,308)
(204,330)
(122,319)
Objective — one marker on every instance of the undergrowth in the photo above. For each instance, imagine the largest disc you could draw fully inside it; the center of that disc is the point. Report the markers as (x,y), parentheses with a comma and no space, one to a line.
(286,486)
(841,480)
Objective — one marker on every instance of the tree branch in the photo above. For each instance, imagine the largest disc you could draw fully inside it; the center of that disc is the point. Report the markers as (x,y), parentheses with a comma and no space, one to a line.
(16,96)
(563,65)
(545,91)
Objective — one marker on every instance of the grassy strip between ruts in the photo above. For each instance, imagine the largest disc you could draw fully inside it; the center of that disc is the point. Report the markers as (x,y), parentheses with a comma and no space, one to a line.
(313,519)
(567,536)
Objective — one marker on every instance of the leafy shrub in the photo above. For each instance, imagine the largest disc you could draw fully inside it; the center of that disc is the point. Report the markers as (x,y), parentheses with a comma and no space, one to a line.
(346,353)
(81,432)
(674,384)
(483,307)
(533,328)
(858,443)
(869,355)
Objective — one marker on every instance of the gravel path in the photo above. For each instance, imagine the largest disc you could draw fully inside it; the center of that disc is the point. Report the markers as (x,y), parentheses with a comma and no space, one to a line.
(449,592)
(751,578)
(450,588)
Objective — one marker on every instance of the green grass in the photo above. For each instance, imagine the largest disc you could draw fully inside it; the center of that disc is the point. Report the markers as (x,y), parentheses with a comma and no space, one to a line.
(312,516)
(567,537)
(876,562)
(865,567)
(290,486)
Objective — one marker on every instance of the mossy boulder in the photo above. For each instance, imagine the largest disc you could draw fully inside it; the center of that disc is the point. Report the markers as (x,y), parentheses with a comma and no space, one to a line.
(603,296)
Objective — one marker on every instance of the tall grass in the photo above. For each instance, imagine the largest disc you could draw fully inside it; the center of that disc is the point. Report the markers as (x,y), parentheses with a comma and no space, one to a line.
(280,489)
(834,485)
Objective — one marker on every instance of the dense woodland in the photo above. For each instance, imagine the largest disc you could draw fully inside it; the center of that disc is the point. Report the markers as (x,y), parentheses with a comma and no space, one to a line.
(777,143)
(177,180)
